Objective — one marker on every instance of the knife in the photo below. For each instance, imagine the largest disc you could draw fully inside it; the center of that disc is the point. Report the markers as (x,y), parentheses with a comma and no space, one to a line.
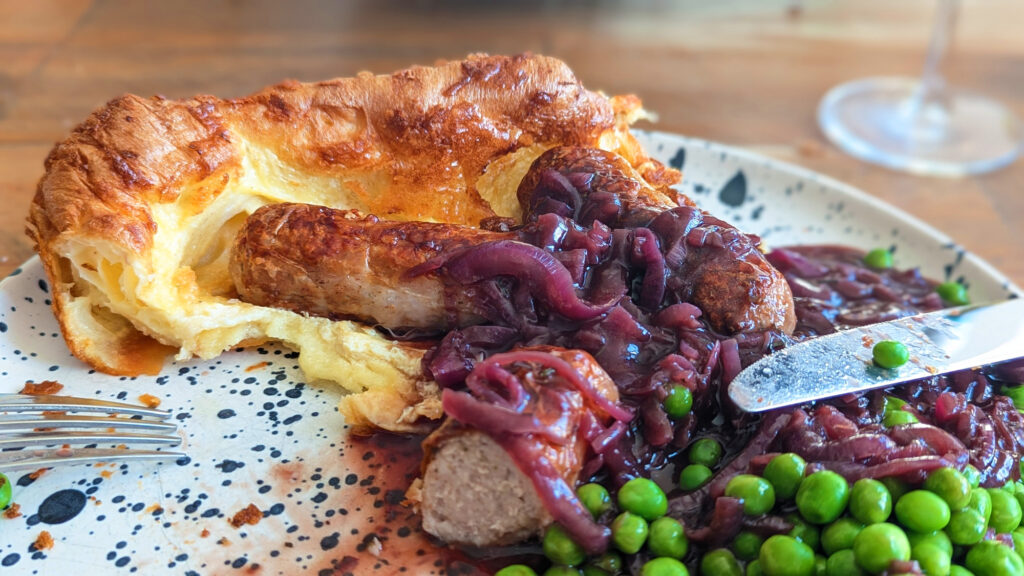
(841,363)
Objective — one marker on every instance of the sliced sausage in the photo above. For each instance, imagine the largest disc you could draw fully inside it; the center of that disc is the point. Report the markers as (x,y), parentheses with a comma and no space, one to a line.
(481,485)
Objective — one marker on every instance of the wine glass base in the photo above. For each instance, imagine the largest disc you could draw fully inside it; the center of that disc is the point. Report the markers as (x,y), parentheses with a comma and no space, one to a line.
(880,121)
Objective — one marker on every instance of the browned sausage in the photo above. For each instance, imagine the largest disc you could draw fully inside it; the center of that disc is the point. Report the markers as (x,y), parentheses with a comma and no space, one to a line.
(342,265)
(479,488)
(714,266)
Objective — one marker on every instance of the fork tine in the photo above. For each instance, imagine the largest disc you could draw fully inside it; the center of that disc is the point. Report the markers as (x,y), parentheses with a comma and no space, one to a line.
(79,437)
(30,423)
(35,459)
(33,403)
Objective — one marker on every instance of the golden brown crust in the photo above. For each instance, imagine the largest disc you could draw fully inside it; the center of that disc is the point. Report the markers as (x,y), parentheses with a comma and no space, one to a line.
(429,129)
(134,216)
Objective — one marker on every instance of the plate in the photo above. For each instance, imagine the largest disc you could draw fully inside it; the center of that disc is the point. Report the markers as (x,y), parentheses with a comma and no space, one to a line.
(257,434)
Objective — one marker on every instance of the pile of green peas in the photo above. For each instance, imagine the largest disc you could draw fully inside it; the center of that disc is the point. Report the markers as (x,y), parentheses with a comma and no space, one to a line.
(945,525)
(842,530)
(640,524)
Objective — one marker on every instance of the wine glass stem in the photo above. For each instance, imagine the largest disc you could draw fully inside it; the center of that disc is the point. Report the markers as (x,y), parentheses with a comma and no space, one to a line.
(942,34)
(925,114)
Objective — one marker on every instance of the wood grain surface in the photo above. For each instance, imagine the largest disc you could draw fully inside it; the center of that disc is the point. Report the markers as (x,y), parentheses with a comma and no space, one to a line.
(744,72)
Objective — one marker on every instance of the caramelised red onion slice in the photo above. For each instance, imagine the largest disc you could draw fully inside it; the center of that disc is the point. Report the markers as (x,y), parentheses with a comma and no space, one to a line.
(545,277)
(646,250)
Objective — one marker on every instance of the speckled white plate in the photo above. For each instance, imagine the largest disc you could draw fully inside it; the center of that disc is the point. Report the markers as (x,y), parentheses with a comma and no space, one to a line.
(255,433)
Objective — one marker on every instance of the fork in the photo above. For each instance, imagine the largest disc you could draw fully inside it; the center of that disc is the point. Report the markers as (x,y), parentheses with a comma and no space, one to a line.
(40,431)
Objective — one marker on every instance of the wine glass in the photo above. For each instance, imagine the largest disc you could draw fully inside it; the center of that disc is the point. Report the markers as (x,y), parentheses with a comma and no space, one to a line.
(922,125)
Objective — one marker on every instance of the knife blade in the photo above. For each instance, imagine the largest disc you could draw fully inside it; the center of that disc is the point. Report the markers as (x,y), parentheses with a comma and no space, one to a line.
(841,363)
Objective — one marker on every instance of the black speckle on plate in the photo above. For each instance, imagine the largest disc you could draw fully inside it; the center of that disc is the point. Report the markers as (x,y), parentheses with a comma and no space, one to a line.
(734,193)
(61,506)
(679,159)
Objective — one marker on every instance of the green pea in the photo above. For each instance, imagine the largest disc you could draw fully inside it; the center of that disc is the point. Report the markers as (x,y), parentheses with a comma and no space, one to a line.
(890,354)
(720,562)
(932,560)
(5,491)
(644,498)
(822,497)
(870,501)
(879,258)
(981,502)
(956,570)
(878,545)
(594,498)
(951,486)
(559,547)
(803,531)
(786,556)
(953,293)
(922,511)
(840,534)
(1015,394)
(678,402)
(938,540)
(843,563)
(990,558)
(1018,539)
(757,494)
(589,570)
(747,544)
(706,451)
(896,412)
(897,487)
(966,527)
(629,532)
(562,571)
(694,476)
(785,472)
(893,403)
(898,418)
(754,568)
(1006,511)
(609,563)
(667,538)
(973,476)
(664,567)
(516,570)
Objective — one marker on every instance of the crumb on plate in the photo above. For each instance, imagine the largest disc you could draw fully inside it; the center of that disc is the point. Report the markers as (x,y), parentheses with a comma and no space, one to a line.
(41,388)
(248,515)
(149,400)
(13,511)
(43,542)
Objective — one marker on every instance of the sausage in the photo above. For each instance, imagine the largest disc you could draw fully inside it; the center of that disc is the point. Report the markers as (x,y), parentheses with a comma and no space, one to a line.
(481,487)
(709,262)
(340,264)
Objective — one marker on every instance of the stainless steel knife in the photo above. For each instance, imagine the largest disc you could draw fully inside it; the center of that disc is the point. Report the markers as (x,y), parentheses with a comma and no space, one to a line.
(840,363)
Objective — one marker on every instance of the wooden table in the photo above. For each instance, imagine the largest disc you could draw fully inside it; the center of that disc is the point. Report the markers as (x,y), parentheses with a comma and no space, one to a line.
(748,73)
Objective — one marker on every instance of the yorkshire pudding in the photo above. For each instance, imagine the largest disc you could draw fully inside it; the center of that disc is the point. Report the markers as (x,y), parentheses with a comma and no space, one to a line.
(137,211)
